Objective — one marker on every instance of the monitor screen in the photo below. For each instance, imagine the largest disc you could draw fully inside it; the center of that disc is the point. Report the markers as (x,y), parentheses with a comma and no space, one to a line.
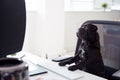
(12,26)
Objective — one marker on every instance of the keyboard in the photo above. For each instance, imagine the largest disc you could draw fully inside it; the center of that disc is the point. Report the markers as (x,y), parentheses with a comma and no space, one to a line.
(55,68)
(62,71)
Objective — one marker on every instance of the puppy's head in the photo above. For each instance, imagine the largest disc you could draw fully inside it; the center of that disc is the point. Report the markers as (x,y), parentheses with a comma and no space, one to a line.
(88,32)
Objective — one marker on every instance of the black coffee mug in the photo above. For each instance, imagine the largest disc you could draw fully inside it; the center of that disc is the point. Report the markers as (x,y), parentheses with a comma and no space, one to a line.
(13,69)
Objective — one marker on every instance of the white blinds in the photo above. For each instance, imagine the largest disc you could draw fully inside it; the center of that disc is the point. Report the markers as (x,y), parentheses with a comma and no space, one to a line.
(80,5)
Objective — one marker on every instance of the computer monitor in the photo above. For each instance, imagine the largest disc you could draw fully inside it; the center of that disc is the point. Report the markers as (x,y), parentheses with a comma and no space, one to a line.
(12,26)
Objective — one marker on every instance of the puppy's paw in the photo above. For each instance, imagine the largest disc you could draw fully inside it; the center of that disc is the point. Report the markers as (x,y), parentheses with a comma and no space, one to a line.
(61,64)
(73,68)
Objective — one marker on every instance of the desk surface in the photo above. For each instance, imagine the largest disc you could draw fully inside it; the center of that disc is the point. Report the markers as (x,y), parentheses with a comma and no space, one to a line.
(51,75)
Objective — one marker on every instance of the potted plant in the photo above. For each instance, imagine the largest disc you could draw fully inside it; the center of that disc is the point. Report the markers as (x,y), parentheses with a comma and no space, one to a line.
(104,5)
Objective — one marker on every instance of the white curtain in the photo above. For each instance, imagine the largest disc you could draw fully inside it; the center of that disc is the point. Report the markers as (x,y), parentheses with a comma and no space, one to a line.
(45,28)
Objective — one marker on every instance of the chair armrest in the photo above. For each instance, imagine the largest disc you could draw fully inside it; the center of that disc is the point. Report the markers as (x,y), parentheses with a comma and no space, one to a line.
(116,75)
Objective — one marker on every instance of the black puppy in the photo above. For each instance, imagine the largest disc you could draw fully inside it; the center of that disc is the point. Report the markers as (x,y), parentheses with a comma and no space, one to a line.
(88,57)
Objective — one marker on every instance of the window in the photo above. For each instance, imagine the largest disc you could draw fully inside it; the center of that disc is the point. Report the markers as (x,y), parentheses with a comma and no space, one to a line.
(116,5)
(79,5)
(89,5)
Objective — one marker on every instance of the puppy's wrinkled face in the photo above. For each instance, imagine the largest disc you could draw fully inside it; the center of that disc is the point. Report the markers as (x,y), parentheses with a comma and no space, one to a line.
(88,32)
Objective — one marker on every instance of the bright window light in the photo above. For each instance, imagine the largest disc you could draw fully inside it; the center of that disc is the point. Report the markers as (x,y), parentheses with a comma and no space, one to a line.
(89,5)
(31,5)
(78,5)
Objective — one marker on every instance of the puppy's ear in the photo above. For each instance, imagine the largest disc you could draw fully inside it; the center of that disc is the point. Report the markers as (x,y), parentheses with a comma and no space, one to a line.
(94,28)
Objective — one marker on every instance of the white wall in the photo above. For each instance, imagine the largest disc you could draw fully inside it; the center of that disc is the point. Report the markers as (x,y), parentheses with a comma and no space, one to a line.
(73,20)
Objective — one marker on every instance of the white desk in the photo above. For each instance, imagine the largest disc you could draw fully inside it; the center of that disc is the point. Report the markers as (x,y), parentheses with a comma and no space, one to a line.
(55,76)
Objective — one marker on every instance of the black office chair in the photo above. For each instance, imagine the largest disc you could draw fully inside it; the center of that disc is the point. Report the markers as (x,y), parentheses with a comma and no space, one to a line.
(109,32)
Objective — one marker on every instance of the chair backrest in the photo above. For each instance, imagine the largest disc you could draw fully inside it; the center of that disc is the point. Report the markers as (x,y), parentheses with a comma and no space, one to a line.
(109,32)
